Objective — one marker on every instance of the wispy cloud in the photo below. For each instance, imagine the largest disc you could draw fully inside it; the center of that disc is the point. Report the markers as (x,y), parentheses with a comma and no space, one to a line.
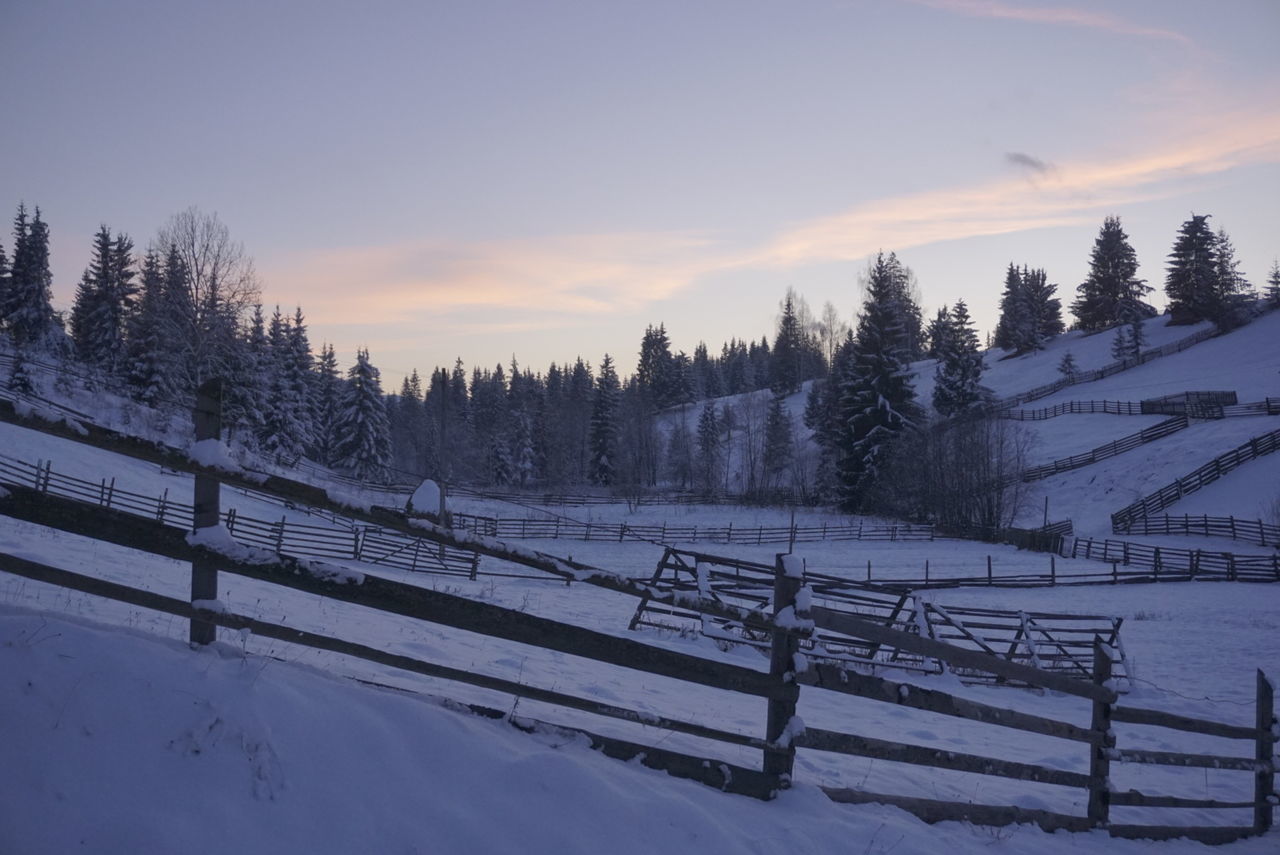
(1058,15)
(503,284)
(1026,161)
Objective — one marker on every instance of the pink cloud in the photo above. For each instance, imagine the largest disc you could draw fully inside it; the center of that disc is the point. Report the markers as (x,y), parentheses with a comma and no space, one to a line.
(1059,15)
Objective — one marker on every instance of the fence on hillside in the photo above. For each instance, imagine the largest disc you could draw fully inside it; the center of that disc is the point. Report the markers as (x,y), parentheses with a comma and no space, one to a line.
(1103,452)
(363,543)
(1115,408)
(789,675)
(1171,563)
(560,528)
(1052,642)
(1149,505)
(1250,531)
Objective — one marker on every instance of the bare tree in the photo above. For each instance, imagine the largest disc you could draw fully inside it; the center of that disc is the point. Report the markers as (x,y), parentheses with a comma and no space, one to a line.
(211,296)
(831,331)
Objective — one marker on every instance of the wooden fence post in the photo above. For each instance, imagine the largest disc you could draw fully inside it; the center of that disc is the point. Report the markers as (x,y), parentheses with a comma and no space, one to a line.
(206,513)
(1100,758)
(779,761)
(1264,781)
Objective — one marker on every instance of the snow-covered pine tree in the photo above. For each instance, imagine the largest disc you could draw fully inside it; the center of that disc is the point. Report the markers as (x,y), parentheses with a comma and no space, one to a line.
(958,377)
(363,444)
(602,469)
(28,311)
(785,368)
(104,302)
(329,394)
(1112,290)
(777,443)
(876,398)
(938,333)
(283,435)
(19,375)
(302,379)
(1121,349)
(150,371)
(707,466)
(1191,282)
(1233,289)
(1273,284)
(1067,366)
(1042,311)
(1013,312)
(1137,338)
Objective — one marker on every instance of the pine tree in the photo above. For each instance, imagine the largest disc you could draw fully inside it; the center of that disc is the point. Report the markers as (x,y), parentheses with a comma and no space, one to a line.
(28,312)
(939,333)
(876,398)
(1191,283)
(329,394)
(1013,319)
(709,450)
(363,444)
(19,375)
(777,442)
(1273,284)
(1232,288)
(655,373)
(149,372)
(604,426)
(1042,311)
(1067,366)
(1112,293)
(1137,338)
(957,385)
(1121,347)
(785,368)
(104,302)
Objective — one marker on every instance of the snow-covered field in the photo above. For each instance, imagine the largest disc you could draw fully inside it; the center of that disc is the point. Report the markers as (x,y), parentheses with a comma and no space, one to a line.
(117,738)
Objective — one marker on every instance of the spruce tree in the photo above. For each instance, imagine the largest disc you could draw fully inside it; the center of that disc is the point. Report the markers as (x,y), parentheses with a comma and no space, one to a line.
(1121,347)
(104,302)
(1112,293)
(284,433)
(19,375)
(876,398)
(362,441)
(28,312)
(1042,312)
(1008,335)
(957,385)
(1067,366)
(708,463)
(149,372)
(604,426)
(939,333)
(785,368)
(1273,284)
(1191,283)
(1233,290)
(777,442)
(329,394)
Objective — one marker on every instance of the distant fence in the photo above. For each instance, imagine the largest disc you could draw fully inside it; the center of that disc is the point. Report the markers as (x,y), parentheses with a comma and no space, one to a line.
(365,543)
(1172,563)
(1115,408)
(1111,449)
(558,528)
(1166,496)
(1250,531)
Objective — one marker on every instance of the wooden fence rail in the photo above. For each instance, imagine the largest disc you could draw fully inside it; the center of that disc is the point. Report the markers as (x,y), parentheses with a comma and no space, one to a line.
(560,528)
(1250,531)
(1111,449)
(1115,408)
(1170,564)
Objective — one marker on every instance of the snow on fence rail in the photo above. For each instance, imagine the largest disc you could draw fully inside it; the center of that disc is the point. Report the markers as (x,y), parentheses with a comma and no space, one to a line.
(1250,531)
(558,528)
(1167,495)
(788,675)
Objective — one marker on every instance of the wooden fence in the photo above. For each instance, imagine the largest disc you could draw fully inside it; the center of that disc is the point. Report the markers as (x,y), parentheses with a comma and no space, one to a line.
(1152,504)
(1103,452)
(1115,408)
(1171,564)
(559,528)
(780,687)
(364,543)
(1051,642)
(1250,531)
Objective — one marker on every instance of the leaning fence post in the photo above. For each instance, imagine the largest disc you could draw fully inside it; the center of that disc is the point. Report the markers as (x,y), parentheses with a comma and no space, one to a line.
(1105,741)
(206,513)
(1264,780)
(780,752)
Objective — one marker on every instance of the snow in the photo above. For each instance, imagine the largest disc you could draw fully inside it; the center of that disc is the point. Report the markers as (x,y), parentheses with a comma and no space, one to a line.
(214,454)
(426,498)
(793,566)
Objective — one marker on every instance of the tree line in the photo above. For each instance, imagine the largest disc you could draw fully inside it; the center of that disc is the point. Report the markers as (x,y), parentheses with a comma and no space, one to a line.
(154,325)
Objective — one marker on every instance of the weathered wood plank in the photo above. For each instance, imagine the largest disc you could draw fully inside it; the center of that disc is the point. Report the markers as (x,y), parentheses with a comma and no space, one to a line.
(907,695)
(939,758)
(1133,798)
(1175,758)
(1157,718)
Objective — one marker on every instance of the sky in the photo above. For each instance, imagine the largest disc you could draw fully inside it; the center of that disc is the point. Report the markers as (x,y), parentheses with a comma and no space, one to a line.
(543,180)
